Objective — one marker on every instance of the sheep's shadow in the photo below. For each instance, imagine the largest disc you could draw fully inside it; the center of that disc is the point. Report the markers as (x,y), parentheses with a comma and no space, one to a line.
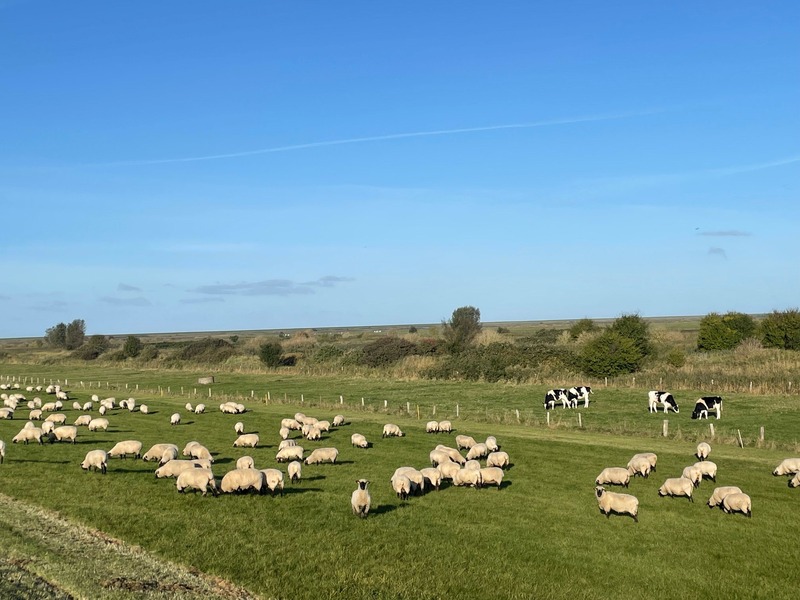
(290,490)
(383,509)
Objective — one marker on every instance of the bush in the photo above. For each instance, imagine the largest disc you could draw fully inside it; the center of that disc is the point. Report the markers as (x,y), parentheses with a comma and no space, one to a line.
(581,326)
(149,353)
(462,328)
(724,332)
(781,329)
(386,351)
(503,330)
(133,347)
(412,329)
(610,354)
(636,329)
(92,348)
(270,354)
(327,353)
(676,358)
(208,350)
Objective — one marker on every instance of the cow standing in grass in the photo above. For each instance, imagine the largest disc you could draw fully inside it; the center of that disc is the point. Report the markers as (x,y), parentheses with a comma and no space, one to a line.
(654,398)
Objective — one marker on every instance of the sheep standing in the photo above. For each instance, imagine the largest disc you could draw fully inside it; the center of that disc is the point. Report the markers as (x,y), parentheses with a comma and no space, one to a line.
(693,474)
(122,449)
(445,427)
(289,453)
(492,476)
(498,459)
(465,442)
(2,452)
(477,451)
(401,485)
(65,432)
(273,479)
(703,450)
(448,470)
(788,466)
(432,427)
(639,466)
(321,455)
(491,444)
(708,469)
(359,441)
(620,504)
(286,443)
(470,477)
(174,468)
(97,459)
(338,420)
(143,408)
(614,476)
(649,456)
(677,486)
(98,424)
(718,495)
(454,454)
(175,419)
(294,470)
(738,502)
(392,430)
(433,477)
(245,462)
(197,479)
(28,434)
(247,440)
(241,480)
(360,499)
(156,451)
(83,420)
(238,428)
(199,409)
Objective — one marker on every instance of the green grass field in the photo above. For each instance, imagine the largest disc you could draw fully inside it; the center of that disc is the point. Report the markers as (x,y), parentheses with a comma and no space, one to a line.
(541,535)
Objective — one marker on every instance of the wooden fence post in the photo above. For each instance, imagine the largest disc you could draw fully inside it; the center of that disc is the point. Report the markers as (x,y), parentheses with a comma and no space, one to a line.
(739,433)
(761,435)
(711,426)
(665,428)
(580,421)
(548,418)
(517,415)
(457,410)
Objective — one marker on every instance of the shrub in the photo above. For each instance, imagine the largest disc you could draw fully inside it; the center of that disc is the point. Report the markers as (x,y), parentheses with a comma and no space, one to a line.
(636,329)
(92,348)
(208,350)
(724,332)
(610,354)
(149,353)
(676,358)
(327,353)
(270,353)
(581,326)
(503,330)
(386,351)
(412,329)
(133,347)
(781,329)
(462,328)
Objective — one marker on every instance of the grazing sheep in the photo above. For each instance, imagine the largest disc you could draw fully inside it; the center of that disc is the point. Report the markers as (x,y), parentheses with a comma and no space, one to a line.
(174,468)
(48,407)
(300,418)
(102,410)
(239,428)
(391,430)
(188,406)
(708,469)
(465,442)
(448,470)
(97,424)
(478,451)
(241,480)
(97,459)
(703,450)
(57,418)
(491,443)
(718,495)
(795,481)
(433,478)
(498,459)
(157,451)
(639,466)
(28,434)
(6,413)
(473,464)
(614,476)
(416,477)
(29,425)
(445,426)
(83,420)
(492,476)
(338,420)
(35,414)
(286,443)
(650,456)
(788,466)
(401,485)
(131,404)
(310,421)
(198,451)
(199,409)
(677,486)
(169,454)
(693,474)
(294,470)
(292,424)
(321,455)
(432,427)
(464,477)
(313,434)
(175,419)
(2,451)
(273,478)
(438,457)
(289,453)
(360,499)
(324,426)
(738,502)
(247,440)
(619,504)
(47,427)
(77,406)
(454,454)
(245,462)
(87,406)
(122,449)
(65,433)
(144,409)
(284,433)
(359,441)
(197,479)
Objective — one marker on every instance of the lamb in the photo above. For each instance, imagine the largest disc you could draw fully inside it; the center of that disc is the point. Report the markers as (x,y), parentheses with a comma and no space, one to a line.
(289,453)
(433,478)
(498,459)
(174,468)
(57,418)
(639,466)
(188,406)
(321,455)
(245,462)
(738,502)
(76,406)
(197,479)
(677,486)
(65,432)
(238,428)
(788,466)
(273,478)
(703,450)
(360,499)
(718,495)
(465,477)
(96,424)
(491,443)
(83,420)
(97,459)
(619,504)
(492,476)
(401,485)
(28,434)
(448,470)
(283,433)
(247,440)
(693,474)
(338,420)
(359,441)
(650,456)
(241,480)
(478,451)
(445,426)
(175,419)
(122,449)
(294,470)
(465,442)
(432,427)
(157,451)
(708,469)
(614,476)
(199,409)
(391,430)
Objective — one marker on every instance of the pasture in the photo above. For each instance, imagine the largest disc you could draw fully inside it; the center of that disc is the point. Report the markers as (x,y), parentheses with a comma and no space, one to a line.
(541,535)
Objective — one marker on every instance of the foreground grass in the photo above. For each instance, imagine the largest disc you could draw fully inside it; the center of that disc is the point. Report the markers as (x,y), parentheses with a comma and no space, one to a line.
(539,536)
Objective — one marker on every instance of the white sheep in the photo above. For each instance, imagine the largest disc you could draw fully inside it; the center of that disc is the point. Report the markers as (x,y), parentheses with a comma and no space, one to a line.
(175,419)
(703,450)
(360,499)
(619,504)
(47,427)
(294,470)
(738,502)
(241,480)
(445,426)
(238,428)
(650,456)
(199,409)
(29,425)
(284,433)
(188,406)
(795,481)
(492,476)
(708,469)
(273,479)
(464,477)
(97,424)
(35,414)
(97,459)
(491,443)
(286,444)
(48,407)
(156,451)
(454,454)
(299,417)
(102,410)
(187,449)
(245,462)
(448,470)
(289,453)
(83,420)
(465,442)
(169,454)
(122,449)
(292,424)
(198,451)
(338,420)
(614,476)
(693,474)
(144,409)
(788,466)
(473,464)
(174,468)
(718,495)
(498,459)
(6,413)
(432,427)
(324,426)
(438,457)
(401,485)
(76,406)
(28,434)
(433,478)
(359,441)
(639,466)
(478,451)
(321,455)
(2,451)
(197,479)
(313,434)
(87,406)
(57,418)
(310,421)
(131,404)
(677,486)
(247,440)
(392,430)
(65,433)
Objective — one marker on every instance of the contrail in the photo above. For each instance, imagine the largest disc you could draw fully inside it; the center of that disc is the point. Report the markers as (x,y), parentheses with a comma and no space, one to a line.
(392,136)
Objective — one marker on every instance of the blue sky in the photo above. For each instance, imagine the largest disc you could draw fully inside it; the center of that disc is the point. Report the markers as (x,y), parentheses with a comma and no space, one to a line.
(202,166)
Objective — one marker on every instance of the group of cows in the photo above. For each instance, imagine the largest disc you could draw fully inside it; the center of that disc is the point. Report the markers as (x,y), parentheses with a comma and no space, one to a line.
(569,398)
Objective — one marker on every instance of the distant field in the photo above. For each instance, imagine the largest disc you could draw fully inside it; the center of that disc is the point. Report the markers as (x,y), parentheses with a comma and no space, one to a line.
(539,536)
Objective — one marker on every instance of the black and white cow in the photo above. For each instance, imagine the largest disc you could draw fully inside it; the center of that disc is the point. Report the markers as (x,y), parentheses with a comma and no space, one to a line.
(577,393)
(553,396)
(655,397)
(706,404)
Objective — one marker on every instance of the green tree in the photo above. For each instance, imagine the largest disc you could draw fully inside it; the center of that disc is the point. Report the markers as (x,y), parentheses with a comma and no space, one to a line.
(581,326)
(75,334)
(270,353)
(133,347)
(387,350)
(636,329)
(781,329)
(610,354)
(462,328)
(56,335)
(724,332)
(92,348)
